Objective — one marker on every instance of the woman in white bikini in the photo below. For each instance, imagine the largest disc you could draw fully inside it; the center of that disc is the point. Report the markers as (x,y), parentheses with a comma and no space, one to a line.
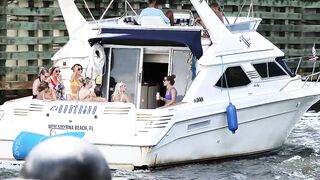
(119,94)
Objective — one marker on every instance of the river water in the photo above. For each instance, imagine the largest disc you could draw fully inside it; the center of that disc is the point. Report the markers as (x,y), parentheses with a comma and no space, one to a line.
(299,158)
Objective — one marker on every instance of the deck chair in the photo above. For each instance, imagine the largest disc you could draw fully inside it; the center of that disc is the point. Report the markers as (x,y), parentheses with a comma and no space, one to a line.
(152,21)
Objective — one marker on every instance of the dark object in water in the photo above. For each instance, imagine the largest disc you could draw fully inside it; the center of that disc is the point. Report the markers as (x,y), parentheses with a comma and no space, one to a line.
(65,158)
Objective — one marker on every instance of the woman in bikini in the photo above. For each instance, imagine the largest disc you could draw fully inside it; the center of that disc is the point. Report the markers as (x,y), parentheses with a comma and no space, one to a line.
(171,92)
(45,92)
(85,94)
(119,94)
(55,82)
(75,82)
(42,76)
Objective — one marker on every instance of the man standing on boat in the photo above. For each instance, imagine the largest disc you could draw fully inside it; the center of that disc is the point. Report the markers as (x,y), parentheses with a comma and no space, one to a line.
(151,10)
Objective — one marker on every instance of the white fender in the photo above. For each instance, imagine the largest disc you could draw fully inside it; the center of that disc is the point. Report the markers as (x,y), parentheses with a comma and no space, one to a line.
(98,57)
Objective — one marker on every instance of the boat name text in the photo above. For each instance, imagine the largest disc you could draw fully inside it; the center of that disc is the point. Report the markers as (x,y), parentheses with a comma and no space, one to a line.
(74,109)
(198,99)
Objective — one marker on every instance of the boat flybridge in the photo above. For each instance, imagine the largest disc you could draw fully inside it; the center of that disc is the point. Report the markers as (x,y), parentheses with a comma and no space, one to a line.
(236,96)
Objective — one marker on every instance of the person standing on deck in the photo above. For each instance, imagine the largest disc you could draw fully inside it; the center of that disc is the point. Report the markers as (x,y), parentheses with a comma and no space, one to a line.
(151,10)
(55,82)
(75,82)
(171,92)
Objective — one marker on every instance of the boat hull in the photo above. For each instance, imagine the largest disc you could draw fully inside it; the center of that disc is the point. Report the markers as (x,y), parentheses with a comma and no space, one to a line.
(209,138)
(203,135)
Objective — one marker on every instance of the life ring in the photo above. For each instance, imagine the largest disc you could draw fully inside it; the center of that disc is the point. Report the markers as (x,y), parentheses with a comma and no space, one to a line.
(98,56)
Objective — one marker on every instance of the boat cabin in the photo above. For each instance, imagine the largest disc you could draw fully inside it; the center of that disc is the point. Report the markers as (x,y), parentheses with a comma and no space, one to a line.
(142,57)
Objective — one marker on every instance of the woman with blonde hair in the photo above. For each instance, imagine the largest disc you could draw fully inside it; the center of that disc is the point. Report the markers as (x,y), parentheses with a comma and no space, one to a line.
(119,94)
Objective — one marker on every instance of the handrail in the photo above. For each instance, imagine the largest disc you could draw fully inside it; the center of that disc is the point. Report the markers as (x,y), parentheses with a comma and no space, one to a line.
(298,65)
(105,11)
(302,58)
(125,4)
(87,7)
(305,81)
(311,75)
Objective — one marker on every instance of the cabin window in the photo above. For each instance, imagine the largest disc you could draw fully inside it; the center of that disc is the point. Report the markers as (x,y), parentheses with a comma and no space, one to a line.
(181,62)
(235,77)
(269,69)
(124,66)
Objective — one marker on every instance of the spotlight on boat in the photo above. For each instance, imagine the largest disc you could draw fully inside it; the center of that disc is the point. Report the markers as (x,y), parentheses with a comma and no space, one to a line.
(232,118)
(65,158)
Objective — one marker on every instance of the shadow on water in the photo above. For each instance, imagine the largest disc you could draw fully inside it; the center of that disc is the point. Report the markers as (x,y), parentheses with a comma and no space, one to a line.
(288,150)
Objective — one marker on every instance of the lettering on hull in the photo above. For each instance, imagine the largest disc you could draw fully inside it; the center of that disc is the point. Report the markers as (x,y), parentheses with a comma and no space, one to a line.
(70,127)
(74,109)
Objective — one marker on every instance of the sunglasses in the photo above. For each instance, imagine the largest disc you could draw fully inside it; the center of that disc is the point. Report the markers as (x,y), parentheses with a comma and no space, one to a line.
(80,69)
(57,71)
(164,80)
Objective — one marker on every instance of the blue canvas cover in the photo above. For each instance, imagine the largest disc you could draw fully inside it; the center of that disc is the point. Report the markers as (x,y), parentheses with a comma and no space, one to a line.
(152,37)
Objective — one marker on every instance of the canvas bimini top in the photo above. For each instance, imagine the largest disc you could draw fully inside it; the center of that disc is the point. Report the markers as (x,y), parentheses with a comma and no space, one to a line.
(190,37)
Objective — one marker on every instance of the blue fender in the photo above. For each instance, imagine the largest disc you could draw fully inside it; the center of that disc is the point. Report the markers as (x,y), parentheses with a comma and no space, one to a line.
(232,118)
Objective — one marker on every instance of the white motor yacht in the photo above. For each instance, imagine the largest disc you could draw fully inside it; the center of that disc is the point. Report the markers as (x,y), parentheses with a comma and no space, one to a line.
(235,94)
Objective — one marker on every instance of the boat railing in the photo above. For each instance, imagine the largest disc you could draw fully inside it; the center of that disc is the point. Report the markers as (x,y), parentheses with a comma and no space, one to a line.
(245,24)
(310,77)
(303,77)
(300,61)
